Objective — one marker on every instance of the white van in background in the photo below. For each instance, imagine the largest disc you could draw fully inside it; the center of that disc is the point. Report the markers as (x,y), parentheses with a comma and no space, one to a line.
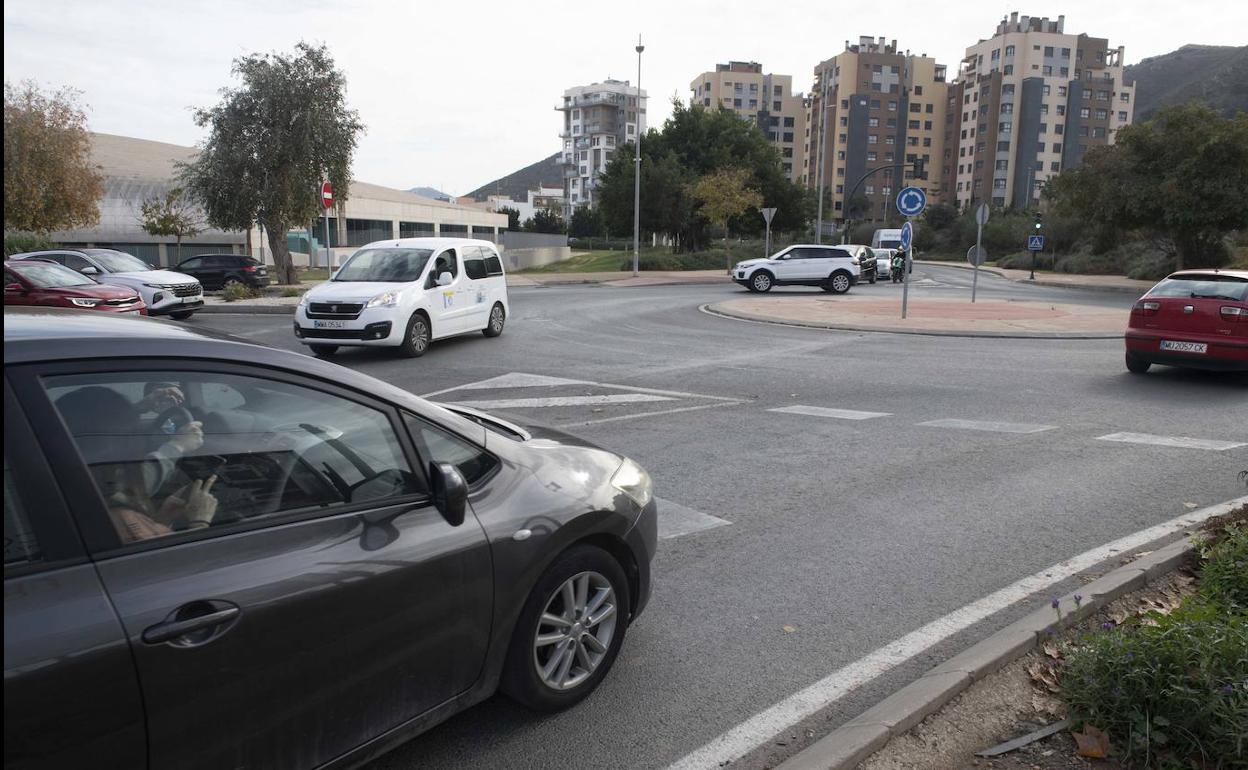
(405,293)
(886,239)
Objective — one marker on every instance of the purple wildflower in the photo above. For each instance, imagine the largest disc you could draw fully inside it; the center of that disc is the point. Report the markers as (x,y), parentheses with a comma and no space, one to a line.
(1107,626)
(1229,689)
(1078,600)
(1054,603)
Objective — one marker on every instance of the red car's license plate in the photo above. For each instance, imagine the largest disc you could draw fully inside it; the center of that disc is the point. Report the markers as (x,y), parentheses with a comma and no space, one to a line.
(1184,347)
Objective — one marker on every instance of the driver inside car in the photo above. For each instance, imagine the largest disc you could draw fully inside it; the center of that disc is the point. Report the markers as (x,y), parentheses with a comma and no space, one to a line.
(113,438)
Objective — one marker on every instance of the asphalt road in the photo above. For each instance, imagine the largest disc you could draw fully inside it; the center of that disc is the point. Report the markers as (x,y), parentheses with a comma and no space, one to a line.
(843,534)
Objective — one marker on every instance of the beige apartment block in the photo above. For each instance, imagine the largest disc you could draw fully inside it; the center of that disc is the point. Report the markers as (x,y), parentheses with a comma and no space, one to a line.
(761,98)
(1027,103)
(874,108)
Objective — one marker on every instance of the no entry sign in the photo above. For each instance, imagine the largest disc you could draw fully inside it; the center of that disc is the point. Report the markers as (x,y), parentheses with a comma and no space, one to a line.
(327,196)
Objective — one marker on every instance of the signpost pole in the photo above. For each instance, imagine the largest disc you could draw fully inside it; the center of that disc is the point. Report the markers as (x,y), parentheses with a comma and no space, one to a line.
(905,272)
(768,213)
(981,218)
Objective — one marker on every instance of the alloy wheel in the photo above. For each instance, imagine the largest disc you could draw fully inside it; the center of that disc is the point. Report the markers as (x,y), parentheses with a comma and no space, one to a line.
(496,319)
(840,283)
(420,335)
(762,282)
(575,630)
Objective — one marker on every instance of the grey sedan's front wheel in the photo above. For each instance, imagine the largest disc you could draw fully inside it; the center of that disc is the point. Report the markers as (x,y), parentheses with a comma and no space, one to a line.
(569,632)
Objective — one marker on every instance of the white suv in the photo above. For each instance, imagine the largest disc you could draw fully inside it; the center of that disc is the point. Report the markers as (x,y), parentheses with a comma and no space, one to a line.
(406,293)
(831,268)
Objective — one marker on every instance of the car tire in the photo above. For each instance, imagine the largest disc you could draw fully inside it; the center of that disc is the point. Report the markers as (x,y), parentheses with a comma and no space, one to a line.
(182,316)
(323,351)
(526,678)
(498,317)
(762,281)
(231,281)
(1137,365)
(838,283)
(871,279)
(416,337)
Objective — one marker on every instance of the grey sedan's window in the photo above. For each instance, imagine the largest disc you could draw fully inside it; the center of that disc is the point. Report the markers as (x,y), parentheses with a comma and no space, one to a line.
(20,545)
(172,451)
(441,446)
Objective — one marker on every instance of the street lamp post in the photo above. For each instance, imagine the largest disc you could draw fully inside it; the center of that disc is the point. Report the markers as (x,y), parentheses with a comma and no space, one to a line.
(637,168)
(823,119)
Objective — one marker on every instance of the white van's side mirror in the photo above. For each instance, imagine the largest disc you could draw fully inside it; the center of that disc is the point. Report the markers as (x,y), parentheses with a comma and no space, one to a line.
(445,279)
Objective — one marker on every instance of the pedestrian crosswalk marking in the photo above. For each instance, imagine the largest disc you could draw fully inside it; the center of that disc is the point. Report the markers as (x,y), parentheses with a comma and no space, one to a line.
(823,411)
(1180,442)
(984,425)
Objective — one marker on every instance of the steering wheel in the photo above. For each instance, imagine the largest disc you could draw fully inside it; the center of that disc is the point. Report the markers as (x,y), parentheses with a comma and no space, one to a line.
(178,415)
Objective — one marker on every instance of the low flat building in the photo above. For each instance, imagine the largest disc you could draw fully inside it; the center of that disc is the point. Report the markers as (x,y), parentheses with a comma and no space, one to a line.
(139,169)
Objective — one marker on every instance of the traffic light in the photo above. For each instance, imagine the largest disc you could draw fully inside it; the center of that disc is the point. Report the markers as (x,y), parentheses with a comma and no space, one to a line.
(1039,220)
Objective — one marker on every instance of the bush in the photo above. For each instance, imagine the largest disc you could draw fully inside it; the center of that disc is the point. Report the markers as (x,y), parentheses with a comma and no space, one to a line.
(237,291)
(17,243)
(1021,260)
(291,291)
(702,260)
(1224,579)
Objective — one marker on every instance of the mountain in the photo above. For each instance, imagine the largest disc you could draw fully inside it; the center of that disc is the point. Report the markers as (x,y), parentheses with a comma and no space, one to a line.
(546,172)
(1215,75)
(430,192)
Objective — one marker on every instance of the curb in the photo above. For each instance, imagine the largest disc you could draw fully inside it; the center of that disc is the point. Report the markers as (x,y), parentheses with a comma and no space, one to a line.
(738,315)
(852,743)
(248,309)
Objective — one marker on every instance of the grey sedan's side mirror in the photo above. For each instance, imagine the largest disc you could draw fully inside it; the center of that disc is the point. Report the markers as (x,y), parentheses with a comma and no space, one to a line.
(445,279)
(89,270)
(450,492)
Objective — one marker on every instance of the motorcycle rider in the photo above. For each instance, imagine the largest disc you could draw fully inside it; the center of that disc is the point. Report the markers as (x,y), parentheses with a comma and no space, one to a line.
(898,266)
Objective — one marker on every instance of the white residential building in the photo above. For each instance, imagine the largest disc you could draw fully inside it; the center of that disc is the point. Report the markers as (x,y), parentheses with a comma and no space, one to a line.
(597,119)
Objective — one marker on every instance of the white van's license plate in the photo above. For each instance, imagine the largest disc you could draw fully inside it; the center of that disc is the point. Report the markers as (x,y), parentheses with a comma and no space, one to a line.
(1184,347)
(329,324)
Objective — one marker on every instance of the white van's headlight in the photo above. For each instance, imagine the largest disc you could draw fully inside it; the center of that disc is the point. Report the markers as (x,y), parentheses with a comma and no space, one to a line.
(632,480)
(388,299)
(303,299)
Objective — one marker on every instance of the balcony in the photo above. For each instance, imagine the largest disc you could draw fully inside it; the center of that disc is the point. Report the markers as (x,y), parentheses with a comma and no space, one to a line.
(582,144)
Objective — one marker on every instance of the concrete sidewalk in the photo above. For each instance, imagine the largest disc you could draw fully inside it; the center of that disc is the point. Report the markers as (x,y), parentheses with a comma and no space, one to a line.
(930,316)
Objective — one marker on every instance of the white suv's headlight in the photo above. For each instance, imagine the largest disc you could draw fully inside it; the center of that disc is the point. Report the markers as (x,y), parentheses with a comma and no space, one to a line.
(388,299)
(632,480)
(85,301)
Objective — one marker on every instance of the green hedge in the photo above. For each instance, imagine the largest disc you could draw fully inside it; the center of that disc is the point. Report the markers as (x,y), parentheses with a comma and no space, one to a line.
(17,243)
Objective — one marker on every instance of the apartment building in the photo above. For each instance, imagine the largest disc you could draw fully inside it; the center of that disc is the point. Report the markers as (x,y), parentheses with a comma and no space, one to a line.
(597,120)
(873,107)
(1027,103)
(764,99)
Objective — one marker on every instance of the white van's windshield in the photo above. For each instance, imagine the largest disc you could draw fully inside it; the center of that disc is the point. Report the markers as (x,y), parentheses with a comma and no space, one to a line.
(385,265)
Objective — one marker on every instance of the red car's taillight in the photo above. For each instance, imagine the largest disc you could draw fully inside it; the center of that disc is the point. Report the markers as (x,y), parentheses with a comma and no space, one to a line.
(1145,308)
(249,268)
(1233,314)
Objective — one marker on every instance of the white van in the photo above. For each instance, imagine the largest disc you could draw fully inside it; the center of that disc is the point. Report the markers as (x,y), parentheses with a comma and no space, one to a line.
(886,239)
(406,293)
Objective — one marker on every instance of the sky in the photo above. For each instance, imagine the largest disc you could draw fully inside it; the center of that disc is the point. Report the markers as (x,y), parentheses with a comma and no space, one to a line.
(457,93)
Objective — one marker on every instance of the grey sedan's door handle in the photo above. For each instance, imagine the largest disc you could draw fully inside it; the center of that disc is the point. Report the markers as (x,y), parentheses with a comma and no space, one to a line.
(170,630)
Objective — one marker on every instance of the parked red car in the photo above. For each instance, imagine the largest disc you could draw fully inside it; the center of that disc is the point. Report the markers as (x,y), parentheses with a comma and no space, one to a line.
(47,284)
(1195,319)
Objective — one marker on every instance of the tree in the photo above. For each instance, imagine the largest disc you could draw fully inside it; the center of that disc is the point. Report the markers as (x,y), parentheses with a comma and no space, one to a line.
(1179,178)
(513,217)
(724,195)
(49,181)
(272,142)
(171,214)
(545,221)
(586,222)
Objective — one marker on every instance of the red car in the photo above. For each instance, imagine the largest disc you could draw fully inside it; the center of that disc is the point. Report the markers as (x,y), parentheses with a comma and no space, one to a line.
(47,284)
(1195,319)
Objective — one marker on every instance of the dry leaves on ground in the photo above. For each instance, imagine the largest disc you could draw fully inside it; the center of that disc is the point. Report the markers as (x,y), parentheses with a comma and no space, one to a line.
(1092,742)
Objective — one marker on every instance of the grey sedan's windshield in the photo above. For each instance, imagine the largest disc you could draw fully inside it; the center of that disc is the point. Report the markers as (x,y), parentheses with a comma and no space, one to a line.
(120,262)
(385,265)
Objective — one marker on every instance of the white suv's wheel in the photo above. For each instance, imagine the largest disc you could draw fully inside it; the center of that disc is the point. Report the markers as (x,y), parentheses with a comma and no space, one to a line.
(838,282)
(761,282)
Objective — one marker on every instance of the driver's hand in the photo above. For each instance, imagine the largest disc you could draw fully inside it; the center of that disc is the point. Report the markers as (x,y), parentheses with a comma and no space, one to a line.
(161,399)
(194,503)
(188,438)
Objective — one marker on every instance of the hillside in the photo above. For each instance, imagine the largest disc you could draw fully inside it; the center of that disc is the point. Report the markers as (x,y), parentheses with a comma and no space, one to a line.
(545,172)
(1213,75)
(430,192)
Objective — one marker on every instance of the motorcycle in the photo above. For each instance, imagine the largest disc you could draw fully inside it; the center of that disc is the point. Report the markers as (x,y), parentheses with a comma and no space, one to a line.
(897,273)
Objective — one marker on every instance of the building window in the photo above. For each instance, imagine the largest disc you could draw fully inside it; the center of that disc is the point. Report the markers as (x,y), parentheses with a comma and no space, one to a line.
(1044,128)
(1102,96)
(875,104)
(1061,109)
(890,123)
(927,141)
(788,136)
(869,189)
(1047,71)
(1059,129)
(1009,51)
(873,122)
(844,104)
(844,121)
(1124,96)
(1055,167)
(753,104)
(788,122)
(995,55)
(1003,146)
(916,107)
(892,106)
(890,139)
(787,152)
(843,138)
(927,125)
(840,155)
(1005,127)
(1065,53)
(871,156)
(1008,69)
(1098,132)
(918,90)
(1122,116)
(1102,114)
(914,124)
(1084,112)
(872,138)
(928,109)
(736,102)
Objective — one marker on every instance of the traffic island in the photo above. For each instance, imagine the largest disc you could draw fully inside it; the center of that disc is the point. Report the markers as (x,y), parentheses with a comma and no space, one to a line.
(935,317)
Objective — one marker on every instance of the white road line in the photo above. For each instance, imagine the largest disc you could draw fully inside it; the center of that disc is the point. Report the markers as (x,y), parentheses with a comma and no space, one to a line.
(761,727)
(1182,442)
(640,415)
(994,427)
(821,411)
(512,380)
(539,403)
(676,520)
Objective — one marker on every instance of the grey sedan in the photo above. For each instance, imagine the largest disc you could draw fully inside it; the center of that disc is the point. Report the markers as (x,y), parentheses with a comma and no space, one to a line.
(222,555)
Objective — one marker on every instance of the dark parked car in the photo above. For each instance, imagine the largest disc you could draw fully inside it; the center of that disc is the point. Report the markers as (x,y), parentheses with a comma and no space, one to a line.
(35,283)
(216,271)
(218,554)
